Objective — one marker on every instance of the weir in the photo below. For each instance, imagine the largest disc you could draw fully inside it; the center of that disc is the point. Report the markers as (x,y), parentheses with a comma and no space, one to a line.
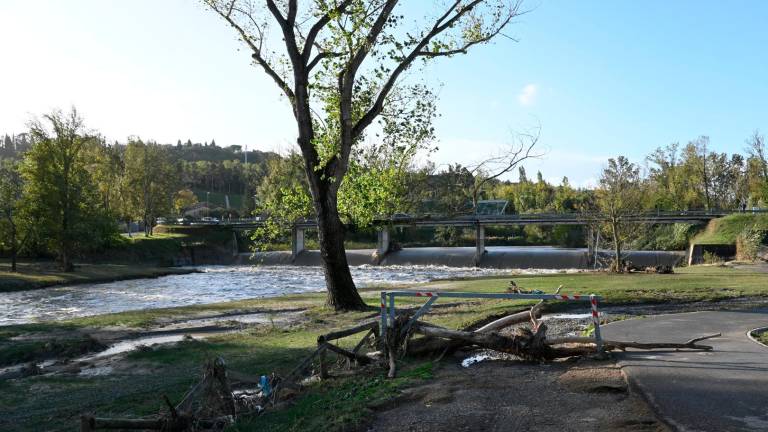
(479,244)
(479,222)
(494,257)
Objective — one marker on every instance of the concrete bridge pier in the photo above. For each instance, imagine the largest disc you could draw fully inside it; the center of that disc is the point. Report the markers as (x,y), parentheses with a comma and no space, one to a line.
(479,244)
(297,242)
(382,244)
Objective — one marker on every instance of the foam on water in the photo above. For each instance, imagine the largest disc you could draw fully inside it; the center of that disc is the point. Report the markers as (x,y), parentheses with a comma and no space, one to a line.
(214,284)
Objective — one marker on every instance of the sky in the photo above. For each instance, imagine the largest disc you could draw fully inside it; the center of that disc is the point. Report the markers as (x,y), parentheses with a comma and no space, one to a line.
(599,78)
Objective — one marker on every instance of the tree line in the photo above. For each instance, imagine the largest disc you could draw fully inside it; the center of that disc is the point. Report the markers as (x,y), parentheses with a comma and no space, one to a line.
(65,192)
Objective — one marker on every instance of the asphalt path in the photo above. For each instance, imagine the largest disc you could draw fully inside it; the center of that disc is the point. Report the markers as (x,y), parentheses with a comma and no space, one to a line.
(725,389)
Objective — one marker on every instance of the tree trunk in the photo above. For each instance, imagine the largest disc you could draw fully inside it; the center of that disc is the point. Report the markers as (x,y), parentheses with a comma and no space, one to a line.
(14,248)
(342,294)
(65,264)
(616,247)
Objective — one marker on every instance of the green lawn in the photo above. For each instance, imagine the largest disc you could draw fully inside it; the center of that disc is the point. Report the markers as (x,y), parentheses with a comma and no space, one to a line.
(52,403)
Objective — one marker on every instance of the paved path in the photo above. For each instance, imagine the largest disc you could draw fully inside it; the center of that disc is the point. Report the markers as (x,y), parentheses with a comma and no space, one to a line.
(722,390)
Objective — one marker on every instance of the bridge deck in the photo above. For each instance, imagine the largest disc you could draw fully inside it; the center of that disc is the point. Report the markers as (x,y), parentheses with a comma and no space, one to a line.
(522,219)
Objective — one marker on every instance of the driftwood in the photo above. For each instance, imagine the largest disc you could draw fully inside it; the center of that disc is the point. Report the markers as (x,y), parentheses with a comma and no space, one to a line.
(208,405)
(535,346)
(610,345)
(524,343)
(324,345)
(361,359)
(532,314)
(364,340)
(347,332)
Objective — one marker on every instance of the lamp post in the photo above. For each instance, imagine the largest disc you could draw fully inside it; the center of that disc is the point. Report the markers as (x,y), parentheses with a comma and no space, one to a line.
(207,204)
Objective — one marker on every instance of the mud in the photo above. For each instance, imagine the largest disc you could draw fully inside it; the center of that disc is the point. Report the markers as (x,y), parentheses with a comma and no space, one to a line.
(516,396)
(102,357)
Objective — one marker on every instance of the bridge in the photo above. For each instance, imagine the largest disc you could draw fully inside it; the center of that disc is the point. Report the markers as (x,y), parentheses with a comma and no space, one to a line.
(479,222)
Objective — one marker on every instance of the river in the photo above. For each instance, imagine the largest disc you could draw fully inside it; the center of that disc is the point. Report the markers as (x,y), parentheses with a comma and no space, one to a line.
(225,283)
(213,284)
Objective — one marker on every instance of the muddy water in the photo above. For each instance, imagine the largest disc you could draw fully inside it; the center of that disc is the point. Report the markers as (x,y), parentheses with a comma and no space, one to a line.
(273,278)
(498,257)
(214,284)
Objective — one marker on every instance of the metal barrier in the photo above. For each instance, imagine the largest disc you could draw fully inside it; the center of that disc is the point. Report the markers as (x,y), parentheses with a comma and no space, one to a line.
(388,305)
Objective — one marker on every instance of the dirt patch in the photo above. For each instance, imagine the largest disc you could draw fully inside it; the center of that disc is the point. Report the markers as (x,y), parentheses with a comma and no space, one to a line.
(594,378)
(515,396)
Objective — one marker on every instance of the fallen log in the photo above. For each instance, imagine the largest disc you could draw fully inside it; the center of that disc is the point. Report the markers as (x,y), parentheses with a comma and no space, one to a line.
(306,362)
(517,318)
(347,332)
(535,345)
(610,345)
(364,340)
(524,343)
(361,359)
(506,321)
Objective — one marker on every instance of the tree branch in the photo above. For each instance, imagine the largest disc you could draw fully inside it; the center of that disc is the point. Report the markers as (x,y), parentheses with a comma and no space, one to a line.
(257,57)
(319,25)
(286,25)
(441,24)
(319,57)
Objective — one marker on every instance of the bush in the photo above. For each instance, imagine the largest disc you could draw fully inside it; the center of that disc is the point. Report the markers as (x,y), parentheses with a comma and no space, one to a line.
(667,237)
(749,242)
(712,258)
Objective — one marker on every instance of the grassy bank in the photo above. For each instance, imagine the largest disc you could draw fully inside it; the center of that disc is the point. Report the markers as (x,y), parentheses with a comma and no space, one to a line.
(53,402)
(37,274)
(725,230)
(130,257)
(167,243)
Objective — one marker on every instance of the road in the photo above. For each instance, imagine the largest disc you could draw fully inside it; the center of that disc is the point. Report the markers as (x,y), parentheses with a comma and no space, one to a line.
(722,390)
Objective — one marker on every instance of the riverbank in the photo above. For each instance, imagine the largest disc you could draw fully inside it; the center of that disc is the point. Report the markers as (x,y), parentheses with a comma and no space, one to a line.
(129,382)
(44,274)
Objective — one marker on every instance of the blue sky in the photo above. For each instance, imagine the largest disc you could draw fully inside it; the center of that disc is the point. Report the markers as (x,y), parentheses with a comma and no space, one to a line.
(602,78)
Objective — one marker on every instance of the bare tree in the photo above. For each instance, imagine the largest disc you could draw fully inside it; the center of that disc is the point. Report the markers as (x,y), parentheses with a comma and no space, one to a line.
(504,161)
(339,62)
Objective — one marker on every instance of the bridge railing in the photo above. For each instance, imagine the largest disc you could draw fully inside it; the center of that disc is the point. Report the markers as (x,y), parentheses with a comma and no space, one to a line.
(473,219)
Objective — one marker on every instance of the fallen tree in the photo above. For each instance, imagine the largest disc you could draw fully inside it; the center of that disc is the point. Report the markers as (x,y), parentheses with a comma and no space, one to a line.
(212,404)
(529,344)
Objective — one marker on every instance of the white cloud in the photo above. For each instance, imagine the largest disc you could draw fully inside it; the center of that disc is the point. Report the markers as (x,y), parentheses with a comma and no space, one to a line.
(528,94)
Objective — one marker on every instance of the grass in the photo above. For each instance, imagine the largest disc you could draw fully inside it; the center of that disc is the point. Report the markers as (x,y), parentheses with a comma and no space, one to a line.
(218,199)
(37,350)
(725,230)
(48,403)
(763,337)
(42,274)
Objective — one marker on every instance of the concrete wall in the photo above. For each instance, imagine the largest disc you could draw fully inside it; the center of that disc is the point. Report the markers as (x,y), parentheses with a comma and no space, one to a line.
(495,257)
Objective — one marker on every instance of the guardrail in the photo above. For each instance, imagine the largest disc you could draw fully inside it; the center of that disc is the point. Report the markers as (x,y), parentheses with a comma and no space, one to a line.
(388,311)
(510,219)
